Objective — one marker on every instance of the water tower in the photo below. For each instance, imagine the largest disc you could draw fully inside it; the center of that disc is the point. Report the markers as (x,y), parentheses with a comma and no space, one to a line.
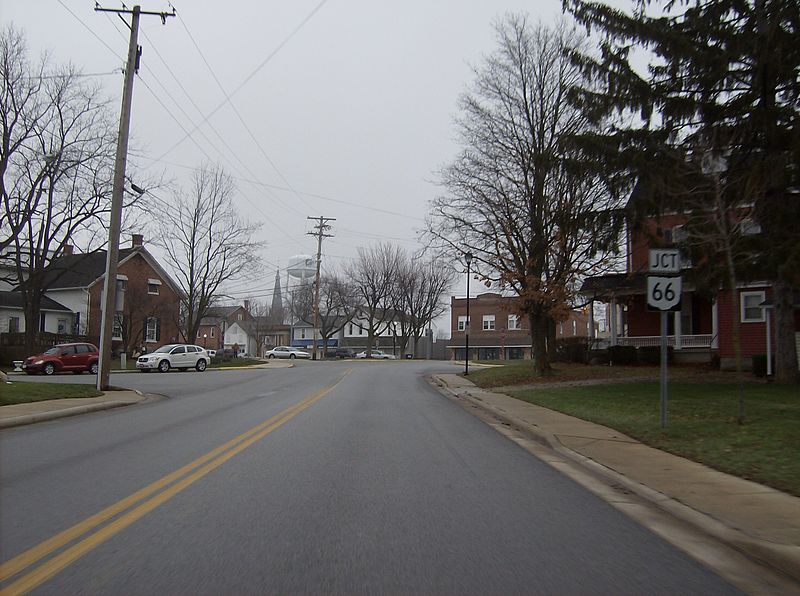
(301,267)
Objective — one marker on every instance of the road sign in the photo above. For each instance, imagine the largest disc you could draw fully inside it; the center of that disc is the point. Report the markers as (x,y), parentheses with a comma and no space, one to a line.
(664,293)
(665,260)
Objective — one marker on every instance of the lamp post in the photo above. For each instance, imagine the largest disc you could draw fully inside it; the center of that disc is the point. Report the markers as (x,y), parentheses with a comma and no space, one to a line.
(468,259)
(205,337)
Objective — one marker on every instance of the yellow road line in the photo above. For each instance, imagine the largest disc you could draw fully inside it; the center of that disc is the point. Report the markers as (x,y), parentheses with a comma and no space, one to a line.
(206,464)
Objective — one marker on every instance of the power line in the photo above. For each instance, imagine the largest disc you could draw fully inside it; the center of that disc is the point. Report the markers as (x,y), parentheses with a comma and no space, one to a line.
(251,75)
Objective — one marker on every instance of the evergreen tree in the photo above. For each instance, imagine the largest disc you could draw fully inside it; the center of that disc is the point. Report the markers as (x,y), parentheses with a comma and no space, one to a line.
(722,84)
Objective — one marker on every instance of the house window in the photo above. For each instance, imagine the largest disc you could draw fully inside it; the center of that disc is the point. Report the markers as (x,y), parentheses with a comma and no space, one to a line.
(239,316)
(574,328)
(351,329)
(462,323)
(13,324)
(151,333)
(513,322)
(211,335)
(152,286)
(116,331)
(750,302)
(749,227)
(62,326)
(77,328)
(302,334)
(488,322)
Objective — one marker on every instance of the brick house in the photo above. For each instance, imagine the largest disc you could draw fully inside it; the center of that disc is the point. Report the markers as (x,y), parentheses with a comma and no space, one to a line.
(496,332)
(228,326)
(148,299)
(702,330)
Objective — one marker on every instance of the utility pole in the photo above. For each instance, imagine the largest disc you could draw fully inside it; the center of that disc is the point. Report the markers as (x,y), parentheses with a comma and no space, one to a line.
(112,254)
(319,231)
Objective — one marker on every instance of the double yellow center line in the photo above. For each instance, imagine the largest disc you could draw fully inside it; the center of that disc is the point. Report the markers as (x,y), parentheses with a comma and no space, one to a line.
(134,507)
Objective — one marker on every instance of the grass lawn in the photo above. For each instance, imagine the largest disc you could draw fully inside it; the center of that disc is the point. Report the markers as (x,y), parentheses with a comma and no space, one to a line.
(234,362)
(519,372)
(701,423)
(20,392)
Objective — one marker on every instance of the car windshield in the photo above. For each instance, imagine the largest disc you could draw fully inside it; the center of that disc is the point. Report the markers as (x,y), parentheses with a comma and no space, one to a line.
(163,349)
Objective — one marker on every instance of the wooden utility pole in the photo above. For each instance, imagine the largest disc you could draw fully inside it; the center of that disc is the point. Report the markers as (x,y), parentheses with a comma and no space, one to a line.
(319,231)
(112,254)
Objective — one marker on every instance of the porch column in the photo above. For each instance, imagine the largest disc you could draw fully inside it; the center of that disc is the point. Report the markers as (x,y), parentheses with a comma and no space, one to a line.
(714,323)
(613,321)
(591,321)
(677,330)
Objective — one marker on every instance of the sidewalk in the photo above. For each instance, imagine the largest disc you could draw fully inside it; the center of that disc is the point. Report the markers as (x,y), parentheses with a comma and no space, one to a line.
(40,411)
(755,519)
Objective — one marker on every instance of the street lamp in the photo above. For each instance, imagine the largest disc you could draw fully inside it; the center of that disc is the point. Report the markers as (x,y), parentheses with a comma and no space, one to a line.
(205,336)
(468,259)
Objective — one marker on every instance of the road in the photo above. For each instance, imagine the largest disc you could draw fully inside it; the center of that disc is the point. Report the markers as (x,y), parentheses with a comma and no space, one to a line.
(346,477)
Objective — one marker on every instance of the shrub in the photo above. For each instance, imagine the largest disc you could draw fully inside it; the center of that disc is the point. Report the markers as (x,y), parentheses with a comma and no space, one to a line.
(622,355)
(651,355)
(572,349)
(760,365)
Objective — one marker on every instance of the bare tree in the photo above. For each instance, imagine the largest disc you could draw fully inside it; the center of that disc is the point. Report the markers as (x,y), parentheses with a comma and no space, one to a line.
(417,296)
(373,275)
(336,306)
(516,196)
(206,243)
(56,166)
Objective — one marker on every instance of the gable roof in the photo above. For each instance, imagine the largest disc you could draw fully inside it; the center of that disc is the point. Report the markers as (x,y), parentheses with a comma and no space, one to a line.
(11,299)
(83,270)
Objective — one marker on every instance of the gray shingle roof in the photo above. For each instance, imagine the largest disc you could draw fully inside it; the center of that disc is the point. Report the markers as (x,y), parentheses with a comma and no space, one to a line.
(10,299)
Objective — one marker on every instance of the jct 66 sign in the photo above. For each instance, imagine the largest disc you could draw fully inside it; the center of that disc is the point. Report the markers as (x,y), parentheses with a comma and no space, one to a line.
(664,293)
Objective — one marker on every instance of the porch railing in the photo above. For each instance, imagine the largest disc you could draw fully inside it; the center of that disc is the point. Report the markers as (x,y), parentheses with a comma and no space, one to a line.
(687,341)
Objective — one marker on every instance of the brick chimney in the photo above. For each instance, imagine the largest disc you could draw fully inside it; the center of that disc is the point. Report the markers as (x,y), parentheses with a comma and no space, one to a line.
(137,240)
(67,250)
(247,305)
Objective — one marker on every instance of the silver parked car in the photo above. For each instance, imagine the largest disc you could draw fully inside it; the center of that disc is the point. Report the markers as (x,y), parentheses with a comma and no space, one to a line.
(287,352)
(180,356)
(377,354)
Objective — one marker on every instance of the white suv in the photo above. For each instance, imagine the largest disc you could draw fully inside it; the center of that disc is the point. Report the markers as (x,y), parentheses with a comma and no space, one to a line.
(180,356)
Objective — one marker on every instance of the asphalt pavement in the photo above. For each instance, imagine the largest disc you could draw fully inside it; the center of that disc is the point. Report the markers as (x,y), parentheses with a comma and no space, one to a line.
(760,522)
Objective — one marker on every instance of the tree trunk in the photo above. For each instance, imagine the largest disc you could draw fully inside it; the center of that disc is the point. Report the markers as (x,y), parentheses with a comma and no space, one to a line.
(786,348)
(551,339)
(541,363)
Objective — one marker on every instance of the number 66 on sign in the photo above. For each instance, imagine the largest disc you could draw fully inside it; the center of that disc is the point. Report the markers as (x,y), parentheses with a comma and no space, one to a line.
(664,293)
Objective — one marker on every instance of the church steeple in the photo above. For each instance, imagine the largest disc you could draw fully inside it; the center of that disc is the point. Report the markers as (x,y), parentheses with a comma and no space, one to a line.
(276,309)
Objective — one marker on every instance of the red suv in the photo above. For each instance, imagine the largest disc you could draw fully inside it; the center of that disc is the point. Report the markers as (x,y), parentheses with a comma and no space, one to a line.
(64,357)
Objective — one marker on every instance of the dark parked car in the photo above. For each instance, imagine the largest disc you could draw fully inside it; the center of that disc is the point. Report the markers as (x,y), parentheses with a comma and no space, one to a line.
(77,358)
(340,353)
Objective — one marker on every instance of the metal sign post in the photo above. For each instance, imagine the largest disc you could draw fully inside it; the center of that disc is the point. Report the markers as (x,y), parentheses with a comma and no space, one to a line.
(664,294)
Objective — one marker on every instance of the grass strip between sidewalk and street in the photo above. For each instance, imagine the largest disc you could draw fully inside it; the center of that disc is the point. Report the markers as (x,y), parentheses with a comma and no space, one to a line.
(20,392)
(702,423)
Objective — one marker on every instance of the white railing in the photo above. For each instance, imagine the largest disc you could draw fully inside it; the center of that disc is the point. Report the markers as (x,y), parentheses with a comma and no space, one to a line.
(687,341)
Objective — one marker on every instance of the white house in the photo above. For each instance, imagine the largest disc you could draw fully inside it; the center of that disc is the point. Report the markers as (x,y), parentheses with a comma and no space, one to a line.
(54,318)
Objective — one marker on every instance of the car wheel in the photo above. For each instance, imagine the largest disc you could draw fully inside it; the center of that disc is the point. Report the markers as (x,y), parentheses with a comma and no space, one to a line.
(93,368)
(291,356)
(49,368)
(163,366)
(201,365)
(271,356)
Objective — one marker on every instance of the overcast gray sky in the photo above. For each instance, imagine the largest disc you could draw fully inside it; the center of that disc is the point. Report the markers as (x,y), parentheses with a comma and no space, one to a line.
(353,103)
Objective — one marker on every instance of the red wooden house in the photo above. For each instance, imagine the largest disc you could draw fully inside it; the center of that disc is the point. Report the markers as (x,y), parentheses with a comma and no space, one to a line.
(703,329)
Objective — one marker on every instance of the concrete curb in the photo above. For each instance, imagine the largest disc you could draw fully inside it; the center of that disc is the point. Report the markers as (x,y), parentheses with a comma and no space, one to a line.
(25,419)
(784,558)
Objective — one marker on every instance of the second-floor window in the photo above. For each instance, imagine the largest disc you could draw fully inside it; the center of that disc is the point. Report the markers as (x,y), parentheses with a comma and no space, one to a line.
(488,322)
(462,323)
(152,286)
(752,311)
(116,331)
(513,322)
